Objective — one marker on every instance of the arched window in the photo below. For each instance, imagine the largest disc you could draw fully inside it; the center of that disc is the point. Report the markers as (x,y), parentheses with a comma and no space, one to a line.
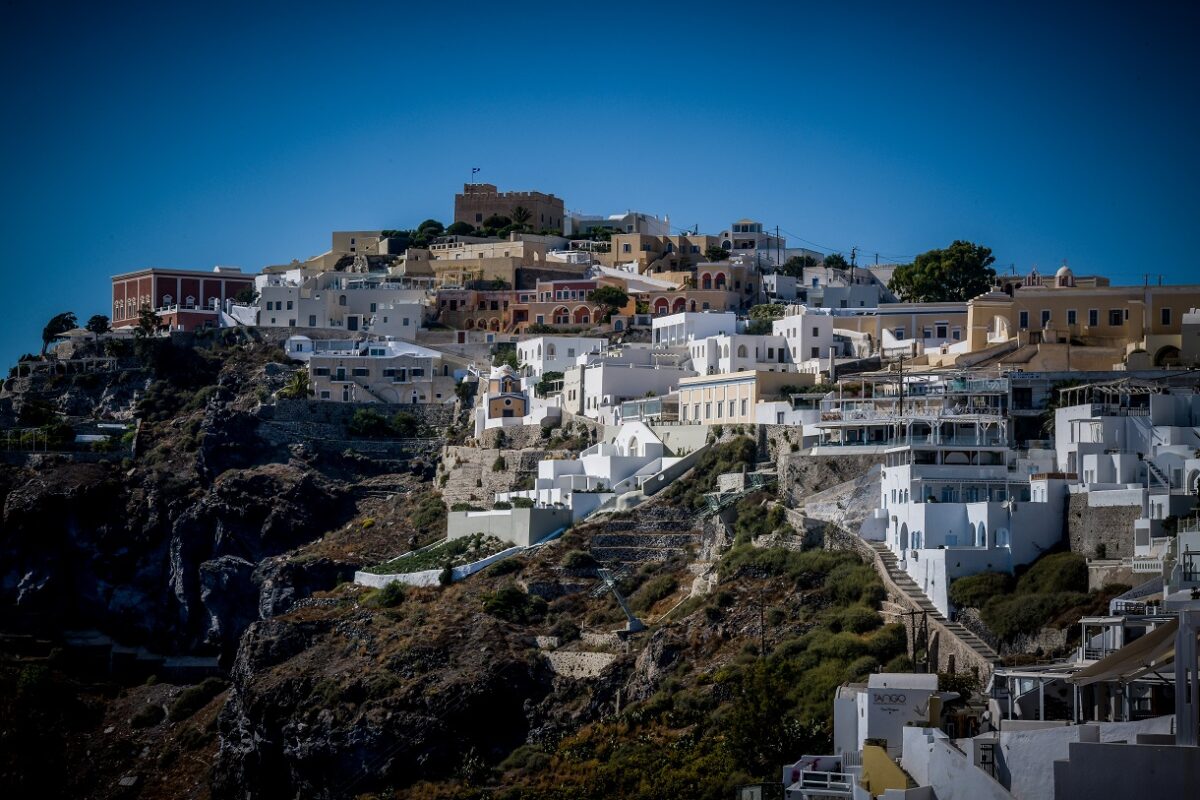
(551,351)
(167,299)
(191,302)
(720,282)
(341,299)
(982,535)
(706,281)
(741,351)
(725,351)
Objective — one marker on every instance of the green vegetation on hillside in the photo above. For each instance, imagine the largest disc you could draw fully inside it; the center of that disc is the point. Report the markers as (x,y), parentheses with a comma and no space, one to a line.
(1052,592)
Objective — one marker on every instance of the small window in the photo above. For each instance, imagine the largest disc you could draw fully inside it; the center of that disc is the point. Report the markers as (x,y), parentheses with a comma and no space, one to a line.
(362,372)
(816,352)
(1165,315)
(1045,317)
(1024,320)
(1115,317)
(1093,317)
(1071,318)
(324,394)
(321,372)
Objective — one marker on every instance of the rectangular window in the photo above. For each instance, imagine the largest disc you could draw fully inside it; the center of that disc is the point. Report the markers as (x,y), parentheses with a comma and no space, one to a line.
(1093,317)
(926,333)
(957,334)
(373,307)
(418,372)
(362,372)
(941,331)
(696,411)
(816,332)
(321,372)
(1166,316)
(1071,318)
(389,372)
(1115,317)
(708,410)
(744,407)
(816,352)
(1045,317)
(1023,322)
(289,305)
(312,320)
(324,394)
(898,333)
(626,248)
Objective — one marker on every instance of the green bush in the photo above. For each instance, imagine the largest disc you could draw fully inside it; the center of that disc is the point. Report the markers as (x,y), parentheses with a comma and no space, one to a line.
(513,605)
(368,423)
(1019,613)
(856,619)
(147,716)
(390,596)
(194,698)
(889,641)
(974,591)
(578,559)
(1057,572)
(652,591)
(522,502)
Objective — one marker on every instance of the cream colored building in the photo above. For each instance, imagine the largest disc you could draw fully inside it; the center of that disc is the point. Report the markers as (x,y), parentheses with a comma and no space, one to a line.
(1086,312)
(731,398)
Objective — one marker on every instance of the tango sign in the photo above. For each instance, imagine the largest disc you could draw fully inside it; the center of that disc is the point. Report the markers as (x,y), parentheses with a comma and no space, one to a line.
(888,699)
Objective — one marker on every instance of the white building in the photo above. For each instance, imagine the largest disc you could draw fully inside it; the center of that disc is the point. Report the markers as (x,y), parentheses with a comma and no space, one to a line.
(678,330)
(741,351)
(353,302)
(809,333)
(543,354)
(601,472)
(1132,443)
(576,222)
(373,371)
(506,401)
(597,387)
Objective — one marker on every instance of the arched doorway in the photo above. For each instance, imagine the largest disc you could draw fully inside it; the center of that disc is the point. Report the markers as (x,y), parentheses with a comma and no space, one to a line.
(720,281)
(1167,356)
(680,305)
(661,306)
(583,316)
(706,281)
(903,536)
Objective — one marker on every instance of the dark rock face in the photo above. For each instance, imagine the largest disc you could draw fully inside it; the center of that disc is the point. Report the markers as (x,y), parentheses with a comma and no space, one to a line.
(282,582)
(314,699)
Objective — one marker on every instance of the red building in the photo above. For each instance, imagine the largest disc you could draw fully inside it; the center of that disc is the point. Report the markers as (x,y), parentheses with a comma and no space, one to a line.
(184,299)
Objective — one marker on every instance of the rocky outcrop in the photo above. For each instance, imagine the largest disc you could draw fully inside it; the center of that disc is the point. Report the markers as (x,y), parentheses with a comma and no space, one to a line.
(331,696)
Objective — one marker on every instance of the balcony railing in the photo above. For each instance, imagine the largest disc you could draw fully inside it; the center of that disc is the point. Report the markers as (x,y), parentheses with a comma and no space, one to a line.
(835,783)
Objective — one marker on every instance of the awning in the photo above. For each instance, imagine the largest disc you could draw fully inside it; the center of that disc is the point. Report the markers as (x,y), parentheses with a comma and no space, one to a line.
(1149,653)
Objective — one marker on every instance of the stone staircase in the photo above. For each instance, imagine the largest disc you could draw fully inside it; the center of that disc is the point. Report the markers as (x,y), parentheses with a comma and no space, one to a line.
(652,533)
(919,600)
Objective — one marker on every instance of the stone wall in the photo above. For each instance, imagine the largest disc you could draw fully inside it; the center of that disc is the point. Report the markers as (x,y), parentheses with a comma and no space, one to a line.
(578,664)
(803,475)
(315,411)
(536,436)
(1111,526)
(473,478)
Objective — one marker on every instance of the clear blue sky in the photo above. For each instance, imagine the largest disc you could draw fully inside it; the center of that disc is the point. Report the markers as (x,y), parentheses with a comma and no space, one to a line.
(243,133)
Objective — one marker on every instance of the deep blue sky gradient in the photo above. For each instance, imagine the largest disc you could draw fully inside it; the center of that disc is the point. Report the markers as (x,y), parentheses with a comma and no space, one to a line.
(243,133)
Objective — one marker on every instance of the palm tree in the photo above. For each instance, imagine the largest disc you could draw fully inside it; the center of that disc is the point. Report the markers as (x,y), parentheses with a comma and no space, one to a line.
(521,215)
(58,324)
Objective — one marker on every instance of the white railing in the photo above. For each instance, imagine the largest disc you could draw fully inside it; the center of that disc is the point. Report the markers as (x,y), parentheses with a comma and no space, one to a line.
(831,782)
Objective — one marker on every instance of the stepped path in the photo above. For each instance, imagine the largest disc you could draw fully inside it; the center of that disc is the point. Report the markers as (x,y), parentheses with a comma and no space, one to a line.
(653,533)
(917,599)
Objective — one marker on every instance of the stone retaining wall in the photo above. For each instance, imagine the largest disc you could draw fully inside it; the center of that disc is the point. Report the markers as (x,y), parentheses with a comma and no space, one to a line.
(1112,526)
(578,665)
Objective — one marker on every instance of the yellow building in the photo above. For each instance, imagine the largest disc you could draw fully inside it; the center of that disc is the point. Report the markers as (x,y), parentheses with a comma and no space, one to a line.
(1085,312)
(730,398)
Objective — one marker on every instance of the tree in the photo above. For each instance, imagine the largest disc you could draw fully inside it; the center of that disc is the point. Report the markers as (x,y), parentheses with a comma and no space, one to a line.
(836,261)
(521,215)
(497,221)
(796,265)
(957,273)
(460,229)
(98,324)
(297,387)
(58,324)
(147,323)
(715,253)
(246,297)
(612,297)
(762,315)
(431,227)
